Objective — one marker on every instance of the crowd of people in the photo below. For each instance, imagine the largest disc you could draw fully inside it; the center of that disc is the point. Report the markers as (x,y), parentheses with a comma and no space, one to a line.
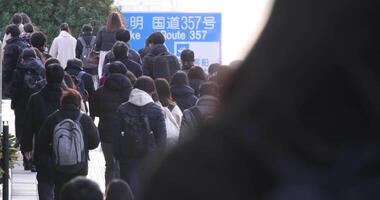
(147,102)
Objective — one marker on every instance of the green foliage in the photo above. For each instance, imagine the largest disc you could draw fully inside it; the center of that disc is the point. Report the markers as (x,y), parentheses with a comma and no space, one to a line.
(49,14)
(12,151)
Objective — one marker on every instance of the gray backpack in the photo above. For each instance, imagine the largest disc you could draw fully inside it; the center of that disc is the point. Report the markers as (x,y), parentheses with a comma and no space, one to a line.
(68,146)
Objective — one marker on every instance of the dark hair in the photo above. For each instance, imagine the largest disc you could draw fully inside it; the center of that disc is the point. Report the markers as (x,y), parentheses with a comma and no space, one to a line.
(196,73)
(87,28)
(81,188)
(156,38)
(114,22)
(123,35)
(120,50)
(71,96)
(28,53)
(209,88)
(25,18)
(74,62)
(38,39)
(64,27)
(28,28)
(13,30)
(146,84)
(187,55)
(164,93)
(131,76)
(179,78)
(117,67)
(54,72)
(16,19)
(213,68)
(119,190)
(52,60)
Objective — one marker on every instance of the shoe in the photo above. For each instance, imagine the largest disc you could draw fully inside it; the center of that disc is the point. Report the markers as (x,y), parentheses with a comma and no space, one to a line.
(27,166)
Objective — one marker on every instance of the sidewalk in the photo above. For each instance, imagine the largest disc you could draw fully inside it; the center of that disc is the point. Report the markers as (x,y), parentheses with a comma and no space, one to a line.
(24,184)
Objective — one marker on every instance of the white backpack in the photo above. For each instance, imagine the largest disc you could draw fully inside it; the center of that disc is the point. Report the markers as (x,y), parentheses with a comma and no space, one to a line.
(68,146)
(172,127)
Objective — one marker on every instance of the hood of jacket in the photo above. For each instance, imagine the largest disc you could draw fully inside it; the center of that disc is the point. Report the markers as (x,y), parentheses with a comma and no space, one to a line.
(158,49)
(31,63)
(64,34)
(139,98)
(117,82)
(73,68)
(15,40)
(179,91)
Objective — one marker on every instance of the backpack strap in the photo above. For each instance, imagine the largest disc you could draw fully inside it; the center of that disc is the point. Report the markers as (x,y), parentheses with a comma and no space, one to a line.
(83,42)
(197,114)
(80,74)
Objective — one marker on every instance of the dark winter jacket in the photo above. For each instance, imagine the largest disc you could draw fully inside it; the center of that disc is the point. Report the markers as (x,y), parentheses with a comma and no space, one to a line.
(87,36)
(89,130)
(12,52)
(159,50)
(132,55)
(184,96)
(19,93)
(105,40)
(196,85)
(107,99)
(139,101)
(132,66)
(206,105)
(143,52)
(88,84)
(40,106)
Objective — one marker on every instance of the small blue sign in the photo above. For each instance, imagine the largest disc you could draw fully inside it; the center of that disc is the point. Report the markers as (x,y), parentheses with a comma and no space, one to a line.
(200,32)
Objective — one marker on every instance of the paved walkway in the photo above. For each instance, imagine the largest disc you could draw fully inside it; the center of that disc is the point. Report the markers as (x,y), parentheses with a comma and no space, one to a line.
(24,183)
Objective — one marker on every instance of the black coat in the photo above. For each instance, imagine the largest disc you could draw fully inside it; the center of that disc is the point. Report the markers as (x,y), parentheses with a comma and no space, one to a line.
(158,50)
(40,106)
(132,55)
(132,66)
(87,81)
(12,52)
(184,96)
(107,99)
(105,40)
(196,85)
(90,132)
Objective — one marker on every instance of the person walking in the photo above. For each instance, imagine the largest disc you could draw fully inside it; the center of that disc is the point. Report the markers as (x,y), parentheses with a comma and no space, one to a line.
(106,38)
(68,135)
(140,131)
(63,46)
(40,106)
(107,99)
(182,93)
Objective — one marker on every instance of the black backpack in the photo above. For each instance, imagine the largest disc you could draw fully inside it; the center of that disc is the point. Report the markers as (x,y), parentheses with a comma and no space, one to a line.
(165,65)
(137,138)
(87,57)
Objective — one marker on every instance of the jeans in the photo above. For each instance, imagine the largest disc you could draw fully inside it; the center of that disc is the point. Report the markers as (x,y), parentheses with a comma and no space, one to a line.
(130,171)
(45,184)
(112,165)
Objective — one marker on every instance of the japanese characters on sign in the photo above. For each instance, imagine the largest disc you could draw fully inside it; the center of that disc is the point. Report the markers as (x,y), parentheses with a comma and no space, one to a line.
(181,30)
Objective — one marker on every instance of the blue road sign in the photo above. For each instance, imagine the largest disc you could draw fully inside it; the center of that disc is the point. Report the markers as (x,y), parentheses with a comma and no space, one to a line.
(200,32)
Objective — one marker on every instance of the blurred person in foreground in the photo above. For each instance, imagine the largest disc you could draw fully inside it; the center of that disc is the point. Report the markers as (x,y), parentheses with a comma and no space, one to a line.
(307,128)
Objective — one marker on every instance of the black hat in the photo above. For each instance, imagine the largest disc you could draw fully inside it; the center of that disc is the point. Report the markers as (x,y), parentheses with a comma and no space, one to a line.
(146,84)
(54,73)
